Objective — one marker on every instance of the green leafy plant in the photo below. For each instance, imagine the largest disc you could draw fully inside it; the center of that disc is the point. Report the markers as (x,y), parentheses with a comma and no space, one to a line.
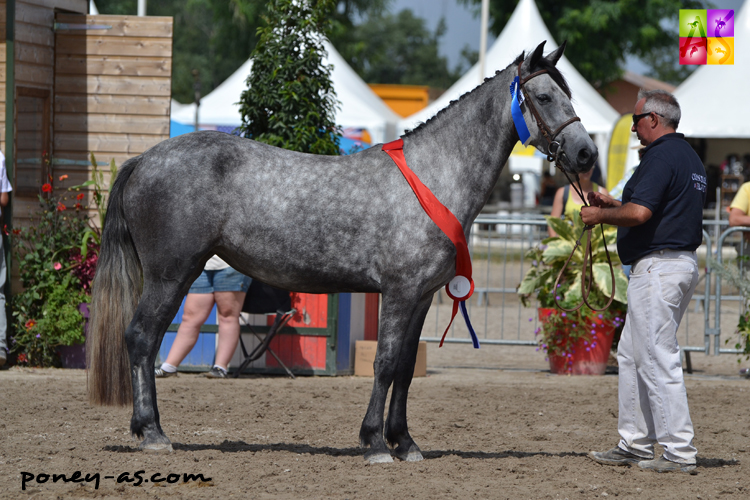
(93,233)
(538,285)
(290,101)
(59,323)
(44,314)
(736,273)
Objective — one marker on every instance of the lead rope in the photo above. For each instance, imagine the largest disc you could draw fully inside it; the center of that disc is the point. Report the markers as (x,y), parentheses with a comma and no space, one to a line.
(554,151)
(588,258)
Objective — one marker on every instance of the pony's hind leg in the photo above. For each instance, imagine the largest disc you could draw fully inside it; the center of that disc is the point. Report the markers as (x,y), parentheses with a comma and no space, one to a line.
(397,312)
(158,305)
(396,429)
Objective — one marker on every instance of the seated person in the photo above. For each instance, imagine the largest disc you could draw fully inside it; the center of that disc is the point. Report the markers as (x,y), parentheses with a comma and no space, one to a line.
(739,215)
(567,203)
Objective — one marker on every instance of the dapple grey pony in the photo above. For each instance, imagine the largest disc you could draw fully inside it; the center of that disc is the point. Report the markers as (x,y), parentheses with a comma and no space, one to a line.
(307,223)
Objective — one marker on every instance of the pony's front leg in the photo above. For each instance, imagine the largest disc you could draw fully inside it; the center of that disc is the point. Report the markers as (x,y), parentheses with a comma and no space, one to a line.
(396,428)
(143,337)
(396,315)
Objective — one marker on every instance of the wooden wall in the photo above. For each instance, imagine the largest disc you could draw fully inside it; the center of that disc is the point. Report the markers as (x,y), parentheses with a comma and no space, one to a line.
(34,80)
(112,88)
(79,90)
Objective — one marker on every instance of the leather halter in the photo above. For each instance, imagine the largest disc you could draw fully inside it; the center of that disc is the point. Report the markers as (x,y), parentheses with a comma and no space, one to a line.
(554,152)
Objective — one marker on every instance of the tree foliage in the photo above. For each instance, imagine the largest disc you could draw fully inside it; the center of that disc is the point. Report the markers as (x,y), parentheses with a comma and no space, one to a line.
(217,36)
(290,101)
(398,48)
(601,32)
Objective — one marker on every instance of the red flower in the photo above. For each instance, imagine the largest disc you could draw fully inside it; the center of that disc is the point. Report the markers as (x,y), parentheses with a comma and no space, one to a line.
(63,177)
(80,196)
(46,187)
(78,206)
(22,358)
(61,207)
(30,324)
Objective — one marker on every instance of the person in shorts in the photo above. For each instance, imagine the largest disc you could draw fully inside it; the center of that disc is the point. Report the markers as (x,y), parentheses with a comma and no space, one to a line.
(221,285)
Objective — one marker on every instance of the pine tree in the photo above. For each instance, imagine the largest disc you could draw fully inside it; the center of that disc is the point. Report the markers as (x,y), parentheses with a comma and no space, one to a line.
(290,101)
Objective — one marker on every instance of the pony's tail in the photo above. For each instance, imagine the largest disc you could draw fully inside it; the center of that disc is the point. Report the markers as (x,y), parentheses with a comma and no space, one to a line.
(116,290)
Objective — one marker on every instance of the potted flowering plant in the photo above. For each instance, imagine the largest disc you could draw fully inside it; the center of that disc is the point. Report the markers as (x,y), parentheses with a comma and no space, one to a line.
(575,342)
(57,256)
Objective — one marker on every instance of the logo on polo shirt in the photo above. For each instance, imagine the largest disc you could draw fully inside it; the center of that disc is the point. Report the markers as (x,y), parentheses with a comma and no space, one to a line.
(699,182)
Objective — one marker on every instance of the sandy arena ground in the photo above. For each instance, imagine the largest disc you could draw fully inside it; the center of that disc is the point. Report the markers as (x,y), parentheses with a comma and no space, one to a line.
(491,423)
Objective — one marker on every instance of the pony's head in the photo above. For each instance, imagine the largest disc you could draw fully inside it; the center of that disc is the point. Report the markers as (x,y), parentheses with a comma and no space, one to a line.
(549,114)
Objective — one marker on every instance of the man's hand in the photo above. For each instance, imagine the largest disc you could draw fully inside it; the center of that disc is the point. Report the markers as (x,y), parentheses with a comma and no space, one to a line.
(602,200)
(591,216)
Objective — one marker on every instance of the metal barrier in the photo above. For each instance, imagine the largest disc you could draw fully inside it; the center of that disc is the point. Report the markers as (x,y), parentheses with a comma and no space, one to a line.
(716,331)
(498,245)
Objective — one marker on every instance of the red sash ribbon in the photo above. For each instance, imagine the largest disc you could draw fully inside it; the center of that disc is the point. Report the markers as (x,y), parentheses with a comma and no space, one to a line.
(461,287)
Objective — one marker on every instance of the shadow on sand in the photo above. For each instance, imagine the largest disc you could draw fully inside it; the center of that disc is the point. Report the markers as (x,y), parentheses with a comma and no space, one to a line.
(242,447)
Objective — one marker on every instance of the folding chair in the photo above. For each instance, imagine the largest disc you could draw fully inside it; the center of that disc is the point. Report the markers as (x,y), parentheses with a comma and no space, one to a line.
(265,299)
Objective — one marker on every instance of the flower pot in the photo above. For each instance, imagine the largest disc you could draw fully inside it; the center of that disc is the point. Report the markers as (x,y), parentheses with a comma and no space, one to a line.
(588,355)
(74,356)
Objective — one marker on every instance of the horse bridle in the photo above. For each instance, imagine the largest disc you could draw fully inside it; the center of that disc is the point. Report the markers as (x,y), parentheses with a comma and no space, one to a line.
(554,148)
(555,152)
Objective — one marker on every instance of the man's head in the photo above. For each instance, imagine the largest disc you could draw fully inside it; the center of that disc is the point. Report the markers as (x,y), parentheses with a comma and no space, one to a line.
(657,113)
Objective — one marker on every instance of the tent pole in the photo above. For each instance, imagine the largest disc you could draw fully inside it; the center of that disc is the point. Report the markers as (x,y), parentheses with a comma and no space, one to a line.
(483,38)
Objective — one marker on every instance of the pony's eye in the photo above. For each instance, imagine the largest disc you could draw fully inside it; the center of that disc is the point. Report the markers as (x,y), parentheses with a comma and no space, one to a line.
(543,98)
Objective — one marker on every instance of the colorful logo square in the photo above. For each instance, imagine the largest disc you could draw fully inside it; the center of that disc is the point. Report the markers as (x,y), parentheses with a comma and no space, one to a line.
(692,51)
(720,23)
(720,50)
(693,23)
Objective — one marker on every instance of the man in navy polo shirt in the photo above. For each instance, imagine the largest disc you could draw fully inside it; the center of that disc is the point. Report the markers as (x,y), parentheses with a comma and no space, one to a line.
(660,227)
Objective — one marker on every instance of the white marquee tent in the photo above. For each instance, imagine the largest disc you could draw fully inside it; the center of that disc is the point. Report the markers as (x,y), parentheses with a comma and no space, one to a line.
(524,31)
(714,99)
(360,106)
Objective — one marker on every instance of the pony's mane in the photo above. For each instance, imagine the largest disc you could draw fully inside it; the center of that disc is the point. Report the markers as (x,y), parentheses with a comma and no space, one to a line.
(541,64)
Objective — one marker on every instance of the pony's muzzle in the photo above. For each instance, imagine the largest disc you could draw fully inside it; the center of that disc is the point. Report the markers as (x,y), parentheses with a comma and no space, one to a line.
(586,158)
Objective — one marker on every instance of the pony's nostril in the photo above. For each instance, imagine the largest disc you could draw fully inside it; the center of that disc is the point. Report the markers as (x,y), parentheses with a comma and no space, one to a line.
(584,156)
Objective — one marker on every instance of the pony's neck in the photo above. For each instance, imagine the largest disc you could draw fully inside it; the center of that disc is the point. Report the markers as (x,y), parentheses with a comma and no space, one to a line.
(460,153)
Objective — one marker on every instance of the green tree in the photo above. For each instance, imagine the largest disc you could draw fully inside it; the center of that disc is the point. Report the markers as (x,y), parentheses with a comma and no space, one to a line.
(400,49)
(290,101)
(600,33)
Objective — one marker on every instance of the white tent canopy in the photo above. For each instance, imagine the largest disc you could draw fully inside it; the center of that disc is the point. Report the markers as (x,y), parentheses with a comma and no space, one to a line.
(524,31)
(714,98)
(360,106)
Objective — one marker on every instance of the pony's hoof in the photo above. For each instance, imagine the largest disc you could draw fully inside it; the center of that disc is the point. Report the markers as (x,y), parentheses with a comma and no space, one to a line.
(378,457)
(412,455)
(156,448)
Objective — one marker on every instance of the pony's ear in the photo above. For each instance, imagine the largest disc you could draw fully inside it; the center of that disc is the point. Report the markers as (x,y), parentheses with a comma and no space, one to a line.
(533,59)
(555,55)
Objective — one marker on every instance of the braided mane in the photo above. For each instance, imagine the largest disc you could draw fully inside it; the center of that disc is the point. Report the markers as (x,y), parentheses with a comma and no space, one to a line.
(539,64)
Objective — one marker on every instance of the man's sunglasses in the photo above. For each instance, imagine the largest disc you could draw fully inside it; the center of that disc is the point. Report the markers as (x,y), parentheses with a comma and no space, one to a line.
(637,118)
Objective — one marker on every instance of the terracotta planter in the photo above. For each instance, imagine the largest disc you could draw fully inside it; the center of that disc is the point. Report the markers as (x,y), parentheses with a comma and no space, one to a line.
(589,354)
(74,356)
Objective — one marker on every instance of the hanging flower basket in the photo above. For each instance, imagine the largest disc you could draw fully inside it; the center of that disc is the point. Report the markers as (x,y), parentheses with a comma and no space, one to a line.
(585,355)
